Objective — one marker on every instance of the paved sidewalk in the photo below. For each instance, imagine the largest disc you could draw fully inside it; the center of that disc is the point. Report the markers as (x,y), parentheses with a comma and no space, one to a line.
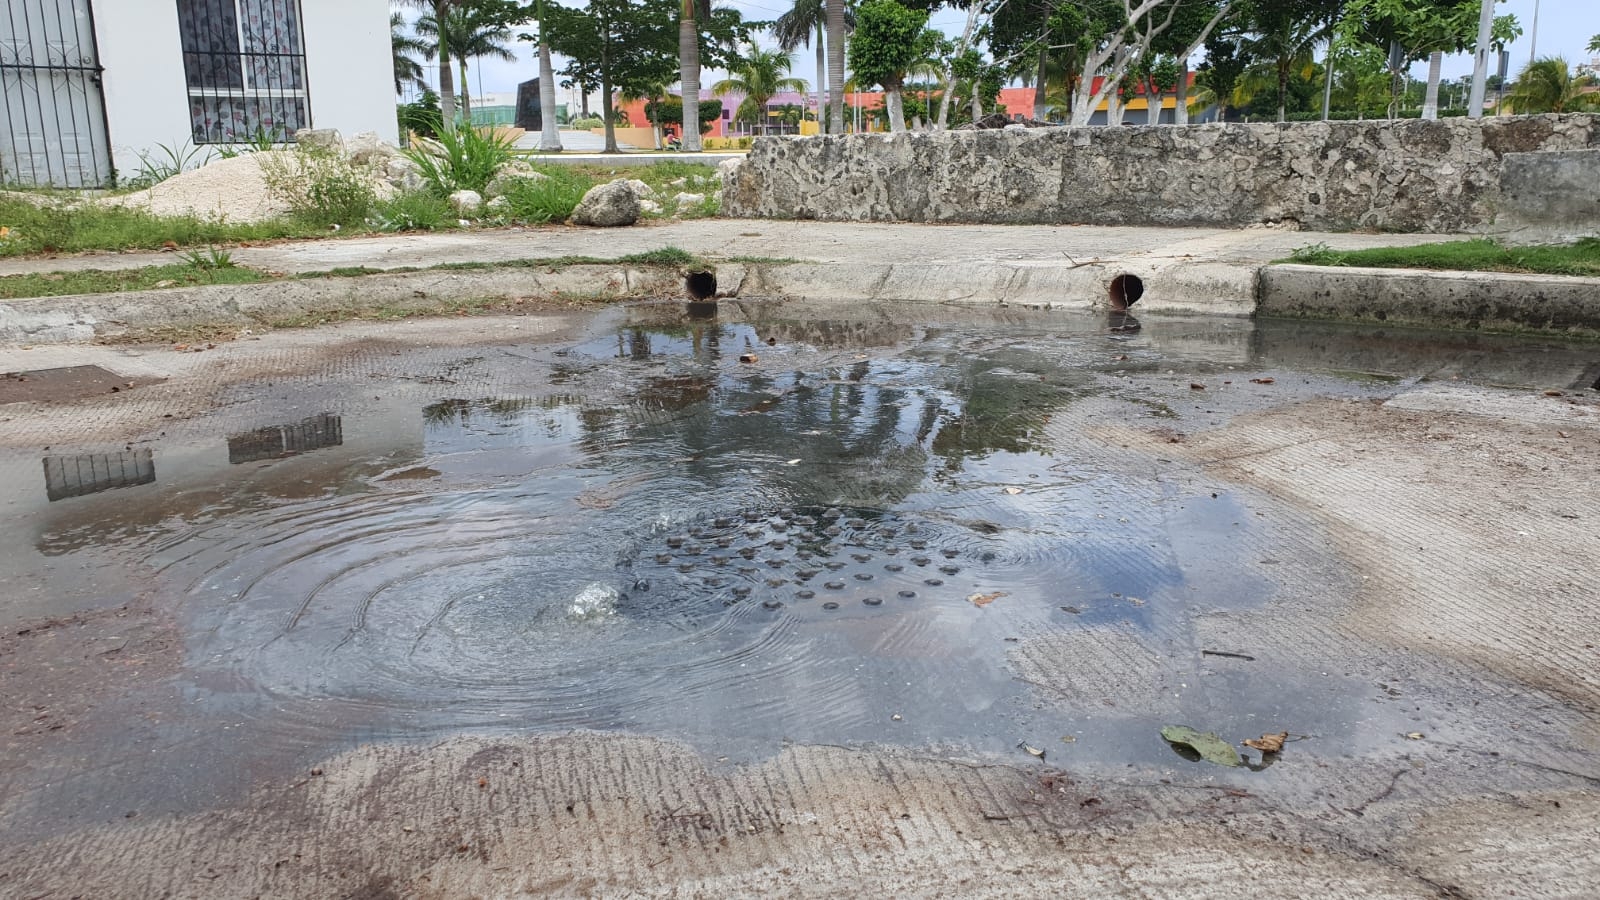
(828,242)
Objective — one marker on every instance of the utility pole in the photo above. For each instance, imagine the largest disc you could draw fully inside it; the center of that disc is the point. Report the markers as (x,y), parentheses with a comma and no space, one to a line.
(1480,60)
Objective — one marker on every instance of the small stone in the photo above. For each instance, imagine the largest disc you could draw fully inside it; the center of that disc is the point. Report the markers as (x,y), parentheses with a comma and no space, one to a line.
(466,203)
(607,206)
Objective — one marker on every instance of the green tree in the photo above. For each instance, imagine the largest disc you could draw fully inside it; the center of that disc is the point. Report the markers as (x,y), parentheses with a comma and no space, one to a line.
(1421,29)
(1548,86)
(1594,44)
(471,31)
(1282,33)
(889,41)
(406,68)
(758,77)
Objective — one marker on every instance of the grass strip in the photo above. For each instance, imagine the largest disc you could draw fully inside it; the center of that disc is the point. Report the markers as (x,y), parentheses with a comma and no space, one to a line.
(1482,255)
(98,281)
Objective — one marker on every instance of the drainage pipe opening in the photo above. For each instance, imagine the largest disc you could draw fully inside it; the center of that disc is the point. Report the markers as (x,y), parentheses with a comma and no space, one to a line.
(1125,291)
(701,285)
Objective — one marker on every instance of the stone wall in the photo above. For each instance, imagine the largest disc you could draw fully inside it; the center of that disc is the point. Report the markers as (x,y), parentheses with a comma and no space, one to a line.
(1442,176)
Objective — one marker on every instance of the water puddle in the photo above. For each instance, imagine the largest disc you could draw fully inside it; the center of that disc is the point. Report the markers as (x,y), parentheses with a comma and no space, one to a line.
(875,534)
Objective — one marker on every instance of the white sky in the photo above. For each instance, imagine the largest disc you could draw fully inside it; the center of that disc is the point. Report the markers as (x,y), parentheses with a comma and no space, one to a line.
(1564,29)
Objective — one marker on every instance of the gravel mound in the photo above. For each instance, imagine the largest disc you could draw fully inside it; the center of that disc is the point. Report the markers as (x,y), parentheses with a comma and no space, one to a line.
(229,189)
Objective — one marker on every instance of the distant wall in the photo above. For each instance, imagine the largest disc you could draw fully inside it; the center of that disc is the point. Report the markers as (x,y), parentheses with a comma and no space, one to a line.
(1442,176)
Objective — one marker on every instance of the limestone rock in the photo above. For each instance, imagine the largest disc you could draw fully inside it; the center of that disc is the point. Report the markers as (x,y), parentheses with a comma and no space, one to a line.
(320,139)
(498,206)
(507,181)
(403,174)
(684,198)
(466,203)
(608,205)
(641,190)
(367,148)
(649,207)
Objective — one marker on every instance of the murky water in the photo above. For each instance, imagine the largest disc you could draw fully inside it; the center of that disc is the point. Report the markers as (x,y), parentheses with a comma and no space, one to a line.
(842,542)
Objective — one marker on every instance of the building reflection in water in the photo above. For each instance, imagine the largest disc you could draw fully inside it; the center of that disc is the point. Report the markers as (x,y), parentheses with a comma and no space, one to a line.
(77,476)
(277,441)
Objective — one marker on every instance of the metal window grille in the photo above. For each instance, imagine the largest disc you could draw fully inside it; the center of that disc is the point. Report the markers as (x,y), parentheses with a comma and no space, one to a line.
(245,63)
(50,95)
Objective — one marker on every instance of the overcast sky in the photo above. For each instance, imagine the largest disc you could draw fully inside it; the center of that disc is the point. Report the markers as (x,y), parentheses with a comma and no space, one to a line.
(1564,29)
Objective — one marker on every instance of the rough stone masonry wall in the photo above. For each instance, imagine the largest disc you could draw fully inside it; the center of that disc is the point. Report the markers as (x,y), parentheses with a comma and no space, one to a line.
(1442,176)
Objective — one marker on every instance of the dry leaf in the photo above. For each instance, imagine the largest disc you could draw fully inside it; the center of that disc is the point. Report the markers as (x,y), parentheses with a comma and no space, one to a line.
(985,599)
(1262,380)
(1013,490)
(1415,735)
(749,358)
(1553,394)
(1196,387)
(1268,743)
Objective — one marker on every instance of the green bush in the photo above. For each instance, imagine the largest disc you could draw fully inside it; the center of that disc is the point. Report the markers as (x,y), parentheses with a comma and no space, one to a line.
(552,199)
(416,211)
(462,159)
(670,112)
(321,187)
(585,123)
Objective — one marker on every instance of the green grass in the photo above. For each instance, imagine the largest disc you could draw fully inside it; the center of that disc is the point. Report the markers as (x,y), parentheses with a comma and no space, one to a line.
(1581,258)
(97,281)
(549,199)
(70,229)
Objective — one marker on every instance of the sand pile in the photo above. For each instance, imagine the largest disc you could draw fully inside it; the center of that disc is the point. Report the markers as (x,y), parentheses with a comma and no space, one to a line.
(230,189)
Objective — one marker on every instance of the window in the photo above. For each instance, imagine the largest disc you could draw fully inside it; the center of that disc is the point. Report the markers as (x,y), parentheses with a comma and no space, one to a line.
(246,69)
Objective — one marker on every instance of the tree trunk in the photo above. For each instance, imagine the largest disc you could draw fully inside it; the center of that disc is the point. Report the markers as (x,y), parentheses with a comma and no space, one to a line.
(1180,109)
(1040,108)
(549,133)
(977,101)
(1283,90)
(447,87)
(1430,104)
(605,100)
(835,23)
(1152,102)
(892,105)
(466,94)
(689,71)
(822,82)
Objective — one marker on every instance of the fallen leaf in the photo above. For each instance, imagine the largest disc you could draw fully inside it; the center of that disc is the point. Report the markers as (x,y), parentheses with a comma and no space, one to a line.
(1262,380)
(1415,735)
(1211,748)
(1196,387)
(1268,743)
(1068,739)
(1553,394)
(1013,490)
(792,462)
(985,599)
(749,358)
(1034,752)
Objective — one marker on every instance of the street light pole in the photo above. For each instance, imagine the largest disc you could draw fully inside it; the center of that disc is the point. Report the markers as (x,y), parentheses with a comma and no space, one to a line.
(1480,61)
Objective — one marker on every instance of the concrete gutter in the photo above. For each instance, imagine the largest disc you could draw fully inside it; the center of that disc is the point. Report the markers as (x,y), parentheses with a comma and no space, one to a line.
(1489,301)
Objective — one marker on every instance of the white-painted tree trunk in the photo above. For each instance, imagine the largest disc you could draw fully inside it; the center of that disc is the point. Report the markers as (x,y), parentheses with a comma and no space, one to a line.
(549,131)
(1430,103)
(822,83)
(1180,111)
(896,111)
(689,74)
(1040,108)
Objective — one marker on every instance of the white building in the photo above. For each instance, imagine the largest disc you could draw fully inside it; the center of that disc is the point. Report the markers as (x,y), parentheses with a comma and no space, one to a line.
(86,86)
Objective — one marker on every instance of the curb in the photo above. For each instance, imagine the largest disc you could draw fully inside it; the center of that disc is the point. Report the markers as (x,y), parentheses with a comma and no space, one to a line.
(1487,301)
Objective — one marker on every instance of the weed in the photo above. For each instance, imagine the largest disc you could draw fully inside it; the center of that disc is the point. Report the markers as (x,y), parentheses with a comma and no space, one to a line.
(166,162)
(461,159)
(413,211)
(666,256)
(67,228)
(261,141)
(550,199)
(95,281)
(321,187)
(210,258)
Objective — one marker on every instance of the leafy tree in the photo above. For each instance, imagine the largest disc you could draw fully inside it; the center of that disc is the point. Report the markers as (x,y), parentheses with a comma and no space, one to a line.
(406,68)
(1283,33)
(762,74)
(1594,44)
(631,46)
(1422,29)
(421,115)
(1548,86)
(889,41)
(1227,58)
(469,31)
(669,111)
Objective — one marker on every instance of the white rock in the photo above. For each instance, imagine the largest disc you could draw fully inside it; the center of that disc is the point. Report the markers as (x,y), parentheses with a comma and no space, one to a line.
(687,199)
(466,203)
(649,206)
(498,206)
(320,139)
(506,181)
(640,189)
(608,205)
(367,147)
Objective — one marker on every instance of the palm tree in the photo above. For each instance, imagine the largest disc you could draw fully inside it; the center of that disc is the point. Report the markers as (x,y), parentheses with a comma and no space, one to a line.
(1547,85)
(439,9)
(806,24)
(689,68)
(406,69)
(835,28)
(1594,44)
(549,134)
(467,33)
(762,74)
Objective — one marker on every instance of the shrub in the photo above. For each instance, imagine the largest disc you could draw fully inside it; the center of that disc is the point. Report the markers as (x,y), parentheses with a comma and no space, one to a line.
(670,112)
(462,159)
(320,186)
(156,166)
(414,211)
(583,123)
(552,199)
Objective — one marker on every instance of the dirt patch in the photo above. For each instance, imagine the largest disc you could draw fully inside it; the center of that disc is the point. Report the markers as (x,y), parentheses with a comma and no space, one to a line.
(231,190)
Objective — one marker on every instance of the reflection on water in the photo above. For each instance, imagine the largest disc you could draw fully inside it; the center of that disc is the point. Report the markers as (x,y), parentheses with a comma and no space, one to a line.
(77,476)
(276,441)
